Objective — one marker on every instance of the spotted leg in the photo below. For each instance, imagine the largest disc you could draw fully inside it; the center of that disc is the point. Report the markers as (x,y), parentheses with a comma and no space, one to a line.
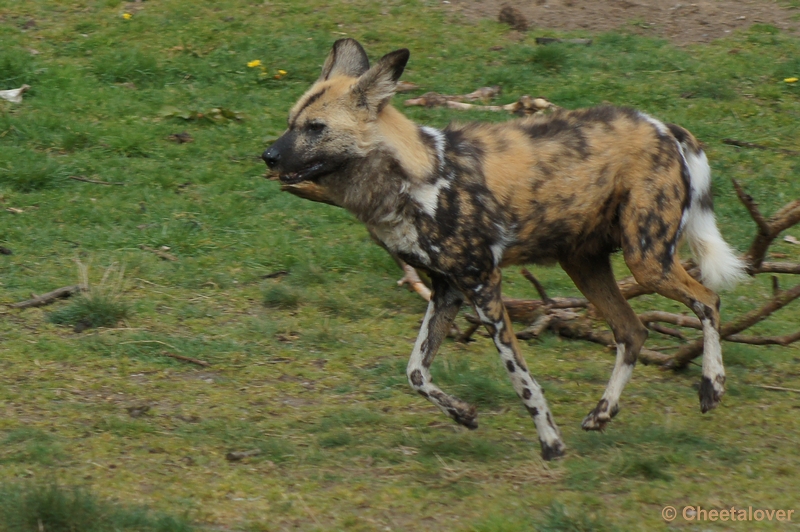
(442,309)
(595,278)
(487,300)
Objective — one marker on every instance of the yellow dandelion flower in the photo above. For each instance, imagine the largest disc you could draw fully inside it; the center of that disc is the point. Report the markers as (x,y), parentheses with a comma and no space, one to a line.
(282,72)
(127,16)
(791,80)
(254,63)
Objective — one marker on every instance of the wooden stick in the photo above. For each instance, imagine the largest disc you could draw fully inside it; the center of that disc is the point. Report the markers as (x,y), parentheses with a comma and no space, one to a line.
(668,317)
(241,455)
(539,288)
(186,359)
(752,208)
(778,267)
(161,254)
(93,181)
(765,340)
(768,230)
(669,331)
(776,388)
(49,297)
(743,144)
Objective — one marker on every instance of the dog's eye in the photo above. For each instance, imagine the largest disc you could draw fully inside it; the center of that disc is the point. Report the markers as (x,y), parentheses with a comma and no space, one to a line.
(316,127)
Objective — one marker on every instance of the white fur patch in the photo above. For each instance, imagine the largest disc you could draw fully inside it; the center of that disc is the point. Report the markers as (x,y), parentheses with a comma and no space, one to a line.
(719,265)
(619,378)
(427,195)
(400,235)
(712,356)
(659,125)
(700,173)
(499,247)
(438,140)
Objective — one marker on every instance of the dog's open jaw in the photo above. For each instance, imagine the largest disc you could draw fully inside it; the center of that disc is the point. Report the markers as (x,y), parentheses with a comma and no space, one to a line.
(312,171)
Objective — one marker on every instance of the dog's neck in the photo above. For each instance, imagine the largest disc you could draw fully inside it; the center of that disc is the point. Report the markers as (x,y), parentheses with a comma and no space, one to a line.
(401,137)
(376,187)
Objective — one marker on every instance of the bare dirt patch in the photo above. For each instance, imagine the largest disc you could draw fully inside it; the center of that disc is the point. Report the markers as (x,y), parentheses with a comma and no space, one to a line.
(680,22)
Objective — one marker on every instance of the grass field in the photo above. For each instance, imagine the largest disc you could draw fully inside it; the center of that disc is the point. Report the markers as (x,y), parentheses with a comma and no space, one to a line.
(308,368)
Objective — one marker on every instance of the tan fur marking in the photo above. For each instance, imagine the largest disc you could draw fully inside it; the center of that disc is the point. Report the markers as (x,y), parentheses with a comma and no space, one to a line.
(401,135)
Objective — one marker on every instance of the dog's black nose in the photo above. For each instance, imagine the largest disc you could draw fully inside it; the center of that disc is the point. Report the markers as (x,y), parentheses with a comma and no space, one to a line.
(271,157)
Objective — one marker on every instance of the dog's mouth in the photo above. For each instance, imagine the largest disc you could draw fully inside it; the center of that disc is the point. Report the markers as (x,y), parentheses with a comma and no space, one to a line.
(309,172)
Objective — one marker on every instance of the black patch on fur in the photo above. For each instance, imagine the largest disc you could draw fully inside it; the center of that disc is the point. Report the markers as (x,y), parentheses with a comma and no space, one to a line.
(311,99)
(709,398)
(678,132)
(686,177)
(661,200)
(550,422)
(526,394)
(423,393)
(532,410)
(707,201)
(510,366)
(416,378)
(551,453)
(570,134)
(362,102)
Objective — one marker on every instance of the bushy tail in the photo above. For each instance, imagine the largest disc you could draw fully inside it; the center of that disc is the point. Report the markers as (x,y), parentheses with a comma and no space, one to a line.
(719,265)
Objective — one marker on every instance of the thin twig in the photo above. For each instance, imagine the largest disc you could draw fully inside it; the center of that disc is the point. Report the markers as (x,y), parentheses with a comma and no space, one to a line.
(191,360)
(539,288)
(668,317)
(49,297)
(765,340)
(744,144)
(752,208)
(778,267)
(669,331)
(150,342)
(776,388)
(161,254)
(93,181)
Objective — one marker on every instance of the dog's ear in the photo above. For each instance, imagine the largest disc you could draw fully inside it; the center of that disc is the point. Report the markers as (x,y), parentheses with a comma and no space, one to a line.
(375,87)
(347,58)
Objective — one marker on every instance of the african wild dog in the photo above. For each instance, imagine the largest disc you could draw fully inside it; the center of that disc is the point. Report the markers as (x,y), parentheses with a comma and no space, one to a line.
(463,202)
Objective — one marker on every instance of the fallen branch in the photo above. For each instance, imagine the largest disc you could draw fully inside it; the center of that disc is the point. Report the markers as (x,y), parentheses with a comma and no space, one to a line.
(93,181)
(776,388)
(778,267)
(768,230)
(743,144)
(539,288)
(161,254)
(524,106)
(183,358)
(241,455)
(765,340)
(668,317)
(49,297)
(668,331)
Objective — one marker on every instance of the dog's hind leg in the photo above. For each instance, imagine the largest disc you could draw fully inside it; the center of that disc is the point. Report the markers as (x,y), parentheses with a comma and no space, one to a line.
(488,303)
(595,279)
(442,309)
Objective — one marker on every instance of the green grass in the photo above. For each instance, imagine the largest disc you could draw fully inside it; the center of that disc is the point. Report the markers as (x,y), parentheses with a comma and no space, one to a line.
(36,507)
(309,367)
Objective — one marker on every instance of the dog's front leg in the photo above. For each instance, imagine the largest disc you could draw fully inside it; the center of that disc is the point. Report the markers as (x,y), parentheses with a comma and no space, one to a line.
(442,309)
(488,302)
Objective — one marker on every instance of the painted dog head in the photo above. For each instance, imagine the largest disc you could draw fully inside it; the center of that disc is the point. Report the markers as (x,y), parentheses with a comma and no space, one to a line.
(332,127)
